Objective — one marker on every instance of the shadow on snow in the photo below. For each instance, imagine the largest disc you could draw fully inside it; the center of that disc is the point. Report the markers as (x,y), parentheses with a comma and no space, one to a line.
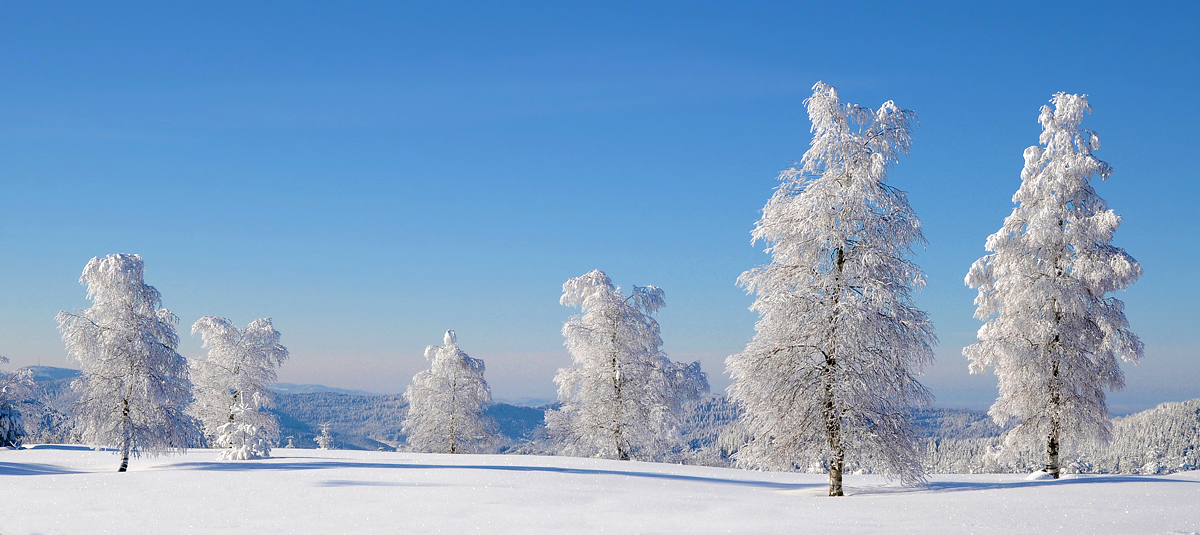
(32,469)
(961,486)
(322,465)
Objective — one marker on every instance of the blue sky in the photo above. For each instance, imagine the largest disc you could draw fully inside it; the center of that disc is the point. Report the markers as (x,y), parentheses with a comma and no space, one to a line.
(371,175)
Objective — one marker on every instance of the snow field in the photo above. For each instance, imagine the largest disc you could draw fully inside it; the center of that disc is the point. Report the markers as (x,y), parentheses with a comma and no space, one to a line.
(65,489)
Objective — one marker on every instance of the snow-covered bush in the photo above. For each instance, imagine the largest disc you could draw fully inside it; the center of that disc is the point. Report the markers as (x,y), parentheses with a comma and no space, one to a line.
(622,398)
(232,378)
(831,373)
(134,386)
(446,403)
(1051,335)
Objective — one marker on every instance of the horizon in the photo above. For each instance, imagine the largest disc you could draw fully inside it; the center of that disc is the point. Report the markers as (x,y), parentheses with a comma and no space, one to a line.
(371,177)
(534,402)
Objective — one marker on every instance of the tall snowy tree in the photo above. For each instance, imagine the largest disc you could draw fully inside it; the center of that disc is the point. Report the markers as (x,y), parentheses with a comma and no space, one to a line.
(134,386)
(622,398)
(14,386)
(446,403)
(831,373)
(231,385)
(1051,335)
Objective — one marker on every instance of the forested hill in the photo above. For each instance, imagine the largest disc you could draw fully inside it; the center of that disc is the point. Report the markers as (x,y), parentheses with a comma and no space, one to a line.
(375,421)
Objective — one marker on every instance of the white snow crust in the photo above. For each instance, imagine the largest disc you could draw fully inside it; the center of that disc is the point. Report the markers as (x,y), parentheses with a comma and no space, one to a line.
(69,489)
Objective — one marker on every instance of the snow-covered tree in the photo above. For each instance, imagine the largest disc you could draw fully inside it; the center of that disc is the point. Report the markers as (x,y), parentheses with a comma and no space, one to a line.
(14,386)
(446,403)
(134,386)
(622,398)
(1051,335)
(831,373)
(325,439)
(242,441)
(231,382)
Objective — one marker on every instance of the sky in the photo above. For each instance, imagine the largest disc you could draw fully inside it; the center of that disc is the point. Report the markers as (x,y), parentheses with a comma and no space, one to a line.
(370,175)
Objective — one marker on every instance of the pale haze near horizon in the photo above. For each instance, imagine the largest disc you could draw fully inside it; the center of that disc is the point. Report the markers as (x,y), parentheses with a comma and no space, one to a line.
(372,177)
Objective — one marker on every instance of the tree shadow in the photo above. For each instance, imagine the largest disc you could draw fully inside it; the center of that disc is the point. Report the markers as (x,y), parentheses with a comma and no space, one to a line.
(352,483)
(63,447)
(967,486)
(32,469)
(325,465)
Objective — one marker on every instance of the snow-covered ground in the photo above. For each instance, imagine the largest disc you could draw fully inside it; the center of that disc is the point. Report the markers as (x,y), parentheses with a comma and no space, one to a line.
(66,489)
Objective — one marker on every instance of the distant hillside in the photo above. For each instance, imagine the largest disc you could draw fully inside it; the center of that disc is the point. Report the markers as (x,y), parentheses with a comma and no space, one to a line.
(356,421)
(955,424)
(43,374)
(375,421)
(1161,440)
(46,411)
(289,388)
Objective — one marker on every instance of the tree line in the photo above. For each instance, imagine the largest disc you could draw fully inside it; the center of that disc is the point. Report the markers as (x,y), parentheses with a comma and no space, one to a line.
(829,378)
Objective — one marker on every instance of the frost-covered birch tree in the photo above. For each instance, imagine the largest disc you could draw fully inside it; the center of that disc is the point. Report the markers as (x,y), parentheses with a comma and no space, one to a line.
(446,403)
(1051,335)
(134,386)
(231,385)
(14,385)
(622,397)
(831,373)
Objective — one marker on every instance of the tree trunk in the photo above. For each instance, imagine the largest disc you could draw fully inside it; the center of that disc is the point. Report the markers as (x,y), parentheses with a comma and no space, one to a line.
(1052,466)
(835,474)
(126,439)
(833,420)
(833,426)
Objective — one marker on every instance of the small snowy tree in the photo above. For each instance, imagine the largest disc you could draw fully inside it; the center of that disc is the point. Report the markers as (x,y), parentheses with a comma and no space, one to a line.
(134,386)
(231,383)
(446,403)
(325,439)
(622,398)
(242,441)
(14,386)
(1051,335)
(830,374)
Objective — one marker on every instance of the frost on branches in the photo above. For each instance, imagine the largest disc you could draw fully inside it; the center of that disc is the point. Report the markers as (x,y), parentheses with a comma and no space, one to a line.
(830,375)
(134,386)
(622,398)
(14,386)
(446,403)
(231,385)
(1051,336)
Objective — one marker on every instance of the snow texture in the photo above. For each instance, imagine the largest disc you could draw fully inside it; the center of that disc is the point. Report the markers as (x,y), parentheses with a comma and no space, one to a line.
(1051,335)
(446,403)
(830,376)
(622,398)
(134,386)
(232,385)
(55,490)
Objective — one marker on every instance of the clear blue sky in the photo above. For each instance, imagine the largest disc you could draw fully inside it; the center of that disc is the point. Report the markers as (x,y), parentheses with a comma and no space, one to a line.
(372,175)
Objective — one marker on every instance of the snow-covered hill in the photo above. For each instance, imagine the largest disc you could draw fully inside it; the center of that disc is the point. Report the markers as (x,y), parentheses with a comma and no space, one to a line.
(59,490)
